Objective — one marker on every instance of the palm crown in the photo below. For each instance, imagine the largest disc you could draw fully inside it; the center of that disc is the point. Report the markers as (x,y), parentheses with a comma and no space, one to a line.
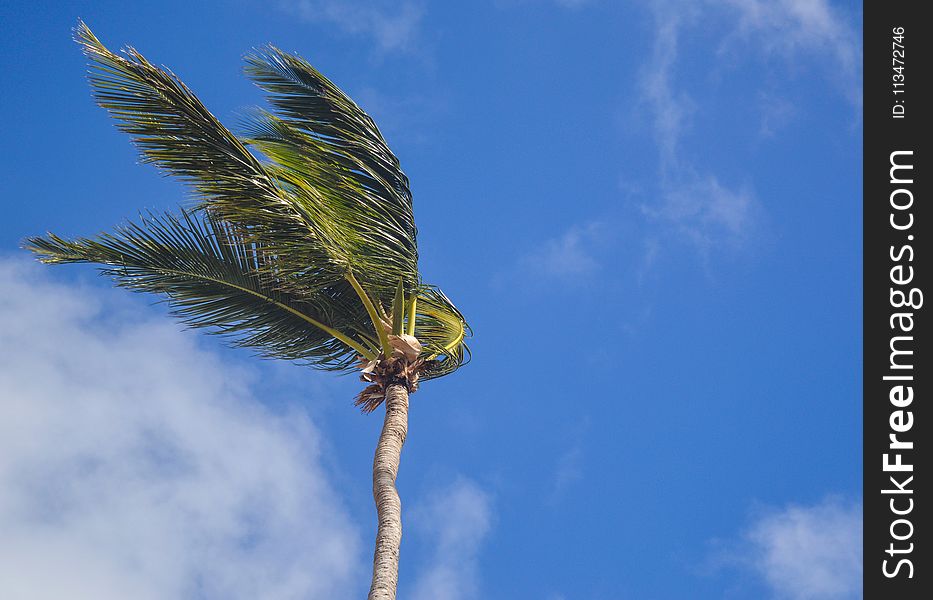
(302,243)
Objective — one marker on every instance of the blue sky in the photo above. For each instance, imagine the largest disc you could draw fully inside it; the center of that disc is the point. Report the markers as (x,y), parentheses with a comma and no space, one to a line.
(650,214)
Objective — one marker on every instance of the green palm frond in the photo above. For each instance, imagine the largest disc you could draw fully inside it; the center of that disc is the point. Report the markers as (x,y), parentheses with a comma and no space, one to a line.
(175,131)
(323,143)
(170,126)
(311,103)
(210,279)
(302,244)
(372,227)
(443,331)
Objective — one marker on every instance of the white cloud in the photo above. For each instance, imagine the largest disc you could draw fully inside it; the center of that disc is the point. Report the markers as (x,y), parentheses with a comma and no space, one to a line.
(776,112)
(403,118)
(134,464)
(695,201)
(392,26)
(670,107)
(793,27)
(567,471)
(570,255)
(808,552)
(692,203)
(706,212)
(569,467)
(458,519)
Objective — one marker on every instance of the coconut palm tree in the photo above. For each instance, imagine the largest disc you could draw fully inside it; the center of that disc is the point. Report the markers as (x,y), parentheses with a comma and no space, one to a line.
(300,245)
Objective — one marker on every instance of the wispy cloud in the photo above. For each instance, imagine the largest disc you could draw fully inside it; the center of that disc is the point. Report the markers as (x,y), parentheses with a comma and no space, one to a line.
(568,470)
(805,552)
(670,107)
(790,28)
(134,464)
(458,519)
(692,201)
(569,466)
(392,26)
(776,112)
(704,211)
(404,119)
(570,255)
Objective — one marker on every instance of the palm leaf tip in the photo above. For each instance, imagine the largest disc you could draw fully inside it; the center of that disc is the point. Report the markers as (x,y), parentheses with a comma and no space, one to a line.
(50,249)
(443,331)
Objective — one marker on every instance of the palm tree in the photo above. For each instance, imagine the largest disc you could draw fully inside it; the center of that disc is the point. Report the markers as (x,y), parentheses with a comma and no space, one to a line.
(301,244)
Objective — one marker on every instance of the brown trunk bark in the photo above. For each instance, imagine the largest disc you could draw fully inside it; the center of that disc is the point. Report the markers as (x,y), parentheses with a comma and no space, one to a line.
(388,504)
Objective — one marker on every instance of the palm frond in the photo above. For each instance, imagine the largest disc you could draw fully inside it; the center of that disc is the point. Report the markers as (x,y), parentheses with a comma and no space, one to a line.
(169,125)
(311,102)
(327,148)
(210,277)
(442,331)
(175,131)
(303,233)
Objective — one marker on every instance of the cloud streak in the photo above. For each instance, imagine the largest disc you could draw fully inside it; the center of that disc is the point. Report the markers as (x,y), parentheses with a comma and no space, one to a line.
(669,107)
(393,27)
(692,201)
(789,28)
(704,211)
(458,518)
(134,464)
(806,552)
(570,255)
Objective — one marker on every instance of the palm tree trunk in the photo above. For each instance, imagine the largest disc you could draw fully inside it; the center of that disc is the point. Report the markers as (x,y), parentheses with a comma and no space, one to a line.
(388,504)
